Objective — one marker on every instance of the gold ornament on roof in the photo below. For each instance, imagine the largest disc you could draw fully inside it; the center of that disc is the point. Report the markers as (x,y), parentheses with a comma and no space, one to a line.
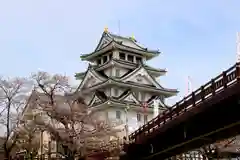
(106,29)
(132,37)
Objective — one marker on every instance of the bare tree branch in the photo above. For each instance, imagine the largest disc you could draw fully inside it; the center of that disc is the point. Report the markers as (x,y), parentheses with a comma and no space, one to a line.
(13,92)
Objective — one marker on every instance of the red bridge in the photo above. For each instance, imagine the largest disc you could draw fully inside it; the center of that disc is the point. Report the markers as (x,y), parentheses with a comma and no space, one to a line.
(209,114)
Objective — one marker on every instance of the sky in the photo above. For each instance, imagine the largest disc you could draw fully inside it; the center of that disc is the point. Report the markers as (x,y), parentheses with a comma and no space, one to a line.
(197,38)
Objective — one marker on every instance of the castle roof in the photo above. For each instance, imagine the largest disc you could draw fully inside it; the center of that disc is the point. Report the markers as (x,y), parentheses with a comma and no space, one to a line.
(145,87)
(127,97)
(125,64)
(128,80)
(122,102)
(111,41)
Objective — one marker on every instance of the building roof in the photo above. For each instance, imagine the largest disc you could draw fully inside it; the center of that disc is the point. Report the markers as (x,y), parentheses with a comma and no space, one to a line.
(125,64)
(93,75)
(118,61)
(127,41)
(115,82)
(141,72)
(126,80)
(112,101)
(109,41)
(127,97)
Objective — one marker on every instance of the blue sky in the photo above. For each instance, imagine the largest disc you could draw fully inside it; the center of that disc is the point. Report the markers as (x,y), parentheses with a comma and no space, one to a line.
(197,37)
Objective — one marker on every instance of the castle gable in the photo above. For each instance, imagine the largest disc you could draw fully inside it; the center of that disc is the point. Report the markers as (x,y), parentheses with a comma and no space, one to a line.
(95,100)
(91,78)
(141,76)
(104,41)
(129,98)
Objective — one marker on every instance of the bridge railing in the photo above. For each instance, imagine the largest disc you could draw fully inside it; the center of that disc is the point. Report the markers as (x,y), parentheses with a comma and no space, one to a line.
(207,91)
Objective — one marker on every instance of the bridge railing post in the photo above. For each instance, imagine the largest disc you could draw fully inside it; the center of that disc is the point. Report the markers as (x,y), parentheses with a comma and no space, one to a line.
(224,79)
(148,129)
(177,109)
(184,104)
(193,99)
(213,87)
(202,93)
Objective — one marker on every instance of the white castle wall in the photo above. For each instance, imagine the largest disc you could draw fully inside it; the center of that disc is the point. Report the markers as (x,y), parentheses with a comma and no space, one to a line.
(133,124)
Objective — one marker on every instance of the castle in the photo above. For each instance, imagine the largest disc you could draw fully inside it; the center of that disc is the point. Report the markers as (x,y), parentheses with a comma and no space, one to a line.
(120,85)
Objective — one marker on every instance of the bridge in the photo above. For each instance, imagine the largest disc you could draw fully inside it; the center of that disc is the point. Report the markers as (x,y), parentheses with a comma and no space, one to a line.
(207,115)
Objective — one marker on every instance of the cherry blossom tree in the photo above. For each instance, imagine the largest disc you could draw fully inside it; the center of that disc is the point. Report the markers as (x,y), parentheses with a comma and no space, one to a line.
(13,97)
(28,138)
(67,118)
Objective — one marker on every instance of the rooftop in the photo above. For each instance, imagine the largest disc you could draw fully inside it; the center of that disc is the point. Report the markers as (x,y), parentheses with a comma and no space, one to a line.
(110,40)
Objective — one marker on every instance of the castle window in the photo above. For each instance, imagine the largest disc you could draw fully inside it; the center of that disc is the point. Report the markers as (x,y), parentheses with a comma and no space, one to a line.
(117,72)
(130,58)
(118,114)
(138,117)
(99,61)
(145,119)
(104,59)
(139,60)
(122,56)
(110,56)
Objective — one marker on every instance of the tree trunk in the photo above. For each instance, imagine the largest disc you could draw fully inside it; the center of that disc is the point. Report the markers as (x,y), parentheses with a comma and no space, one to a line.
(6,152)
(7,156)
(6,149)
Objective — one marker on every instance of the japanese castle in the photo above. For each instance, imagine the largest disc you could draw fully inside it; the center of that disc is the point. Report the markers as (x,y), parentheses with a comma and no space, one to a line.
(120,85)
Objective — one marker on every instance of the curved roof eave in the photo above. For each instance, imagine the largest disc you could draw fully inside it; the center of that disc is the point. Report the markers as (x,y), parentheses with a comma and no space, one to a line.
(149,54)
(157,71)
(157,52)
(95,53)
(167,92)
(103,34)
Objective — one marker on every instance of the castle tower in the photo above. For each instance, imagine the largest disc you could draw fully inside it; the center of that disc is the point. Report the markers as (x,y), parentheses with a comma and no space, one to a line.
(118,77)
